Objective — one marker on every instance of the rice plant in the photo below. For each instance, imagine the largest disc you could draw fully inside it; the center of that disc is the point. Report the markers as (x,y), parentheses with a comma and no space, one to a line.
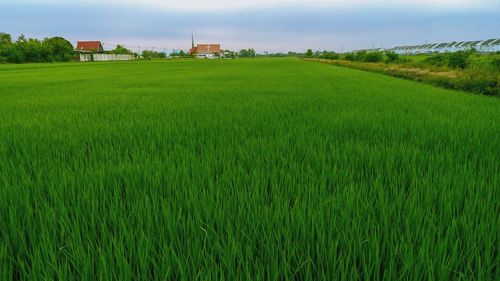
(258,169)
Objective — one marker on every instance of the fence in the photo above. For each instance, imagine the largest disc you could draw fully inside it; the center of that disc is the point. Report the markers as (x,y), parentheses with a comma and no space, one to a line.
(105,57)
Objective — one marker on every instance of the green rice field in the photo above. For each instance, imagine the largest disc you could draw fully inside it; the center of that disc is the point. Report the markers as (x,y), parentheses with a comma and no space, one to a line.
(257,169)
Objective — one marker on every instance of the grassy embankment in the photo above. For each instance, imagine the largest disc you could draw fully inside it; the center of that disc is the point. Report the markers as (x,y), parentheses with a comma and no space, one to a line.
(476,73)
(245,169)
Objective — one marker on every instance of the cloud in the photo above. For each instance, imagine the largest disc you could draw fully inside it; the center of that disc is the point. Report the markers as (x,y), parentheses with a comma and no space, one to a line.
(264,28)
(196,5)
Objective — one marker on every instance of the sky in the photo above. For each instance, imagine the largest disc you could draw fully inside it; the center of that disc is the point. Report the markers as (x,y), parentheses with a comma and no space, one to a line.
(265,25)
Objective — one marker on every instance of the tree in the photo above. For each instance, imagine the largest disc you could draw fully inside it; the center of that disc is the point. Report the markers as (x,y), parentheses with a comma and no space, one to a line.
(154,55)
(148,54)
(230,54)
(247,53)
(309,53)
(6,47)
(58,49)
(243,53)
(27,50)
(5,39)
(33,50)
(251,53)
(181,54)
(121,50)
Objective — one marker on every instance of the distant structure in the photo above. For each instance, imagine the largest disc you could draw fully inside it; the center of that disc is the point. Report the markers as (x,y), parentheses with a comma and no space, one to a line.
(93,51)
(484,46)
(205,51)
(89,47)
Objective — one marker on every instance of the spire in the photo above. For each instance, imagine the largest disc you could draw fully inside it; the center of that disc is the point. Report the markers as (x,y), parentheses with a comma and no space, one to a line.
(192,39)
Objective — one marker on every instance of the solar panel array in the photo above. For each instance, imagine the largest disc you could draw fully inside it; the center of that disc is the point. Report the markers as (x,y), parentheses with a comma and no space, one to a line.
(490,45)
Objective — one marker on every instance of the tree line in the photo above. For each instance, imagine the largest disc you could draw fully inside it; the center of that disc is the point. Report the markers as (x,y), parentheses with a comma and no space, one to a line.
(24,49)
(58,49)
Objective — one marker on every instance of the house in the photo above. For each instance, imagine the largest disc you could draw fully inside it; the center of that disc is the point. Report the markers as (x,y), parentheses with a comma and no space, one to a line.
(89,47)
(207,51)
(93,51)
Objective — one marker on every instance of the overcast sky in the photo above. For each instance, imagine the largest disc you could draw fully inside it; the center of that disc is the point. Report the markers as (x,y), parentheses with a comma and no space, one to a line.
(266,25)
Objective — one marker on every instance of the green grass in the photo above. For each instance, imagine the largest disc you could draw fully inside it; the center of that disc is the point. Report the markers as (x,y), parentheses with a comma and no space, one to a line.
(264,169)
(476,60)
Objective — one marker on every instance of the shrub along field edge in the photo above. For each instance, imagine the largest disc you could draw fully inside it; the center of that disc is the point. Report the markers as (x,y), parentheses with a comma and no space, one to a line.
(471,80)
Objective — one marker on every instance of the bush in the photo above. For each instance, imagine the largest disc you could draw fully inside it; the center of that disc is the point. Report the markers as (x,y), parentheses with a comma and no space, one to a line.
(360,56)
(495,63)
(350,57)
(436,60)
(373,57)
(329,55)
(479,81)
(364,56)
(483,81)
(391,56)
(458,59)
